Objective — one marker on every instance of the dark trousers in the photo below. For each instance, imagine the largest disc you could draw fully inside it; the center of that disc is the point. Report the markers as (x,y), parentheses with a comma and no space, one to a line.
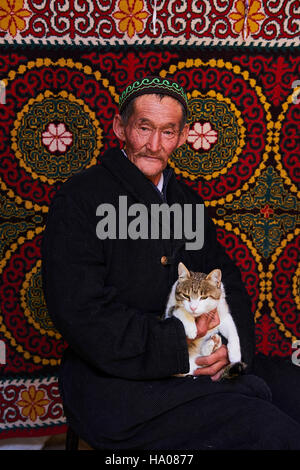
(240,422)
(221,418)
(283,379)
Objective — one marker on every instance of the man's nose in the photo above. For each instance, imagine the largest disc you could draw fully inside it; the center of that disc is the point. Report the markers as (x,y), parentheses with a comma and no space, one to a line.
(154,141)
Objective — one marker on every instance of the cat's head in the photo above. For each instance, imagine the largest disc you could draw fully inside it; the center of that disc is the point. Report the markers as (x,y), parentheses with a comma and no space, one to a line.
(198,293)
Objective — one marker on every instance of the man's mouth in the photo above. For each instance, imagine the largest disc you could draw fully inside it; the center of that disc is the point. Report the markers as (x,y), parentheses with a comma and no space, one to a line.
(151,157)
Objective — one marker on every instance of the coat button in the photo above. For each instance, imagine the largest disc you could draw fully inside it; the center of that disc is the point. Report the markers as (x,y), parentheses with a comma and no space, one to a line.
(164,260)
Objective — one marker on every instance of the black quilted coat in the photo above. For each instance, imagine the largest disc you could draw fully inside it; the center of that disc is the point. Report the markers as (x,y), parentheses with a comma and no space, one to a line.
(106,298)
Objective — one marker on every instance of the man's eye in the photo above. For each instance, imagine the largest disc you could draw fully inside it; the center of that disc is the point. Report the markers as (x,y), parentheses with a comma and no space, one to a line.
(169,132)
(144,130)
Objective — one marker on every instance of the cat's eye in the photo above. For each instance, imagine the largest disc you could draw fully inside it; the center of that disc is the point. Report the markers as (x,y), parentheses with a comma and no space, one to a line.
(203,297)
(185,296)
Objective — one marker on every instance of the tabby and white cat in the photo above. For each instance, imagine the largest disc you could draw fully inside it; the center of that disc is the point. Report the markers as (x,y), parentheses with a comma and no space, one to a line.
(194,294)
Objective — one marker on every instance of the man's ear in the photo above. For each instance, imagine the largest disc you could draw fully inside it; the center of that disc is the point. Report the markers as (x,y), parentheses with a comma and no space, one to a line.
(183,135)
(118,127)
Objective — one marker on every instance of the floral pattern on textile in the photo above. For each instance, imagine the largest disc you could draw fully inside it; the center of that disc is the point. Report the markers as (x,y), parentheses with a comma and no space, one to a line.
(140,22)
(33,403)
(130,16)
(12,16)
(29,405)
(202,136)
(247,16)
(248,177)
(57,138)
(54,136)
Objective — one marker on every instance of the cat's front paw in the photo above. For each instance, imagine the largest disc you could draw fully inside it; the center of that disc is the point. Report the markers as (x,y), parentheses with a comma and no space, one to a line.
(189,324)
(190,330)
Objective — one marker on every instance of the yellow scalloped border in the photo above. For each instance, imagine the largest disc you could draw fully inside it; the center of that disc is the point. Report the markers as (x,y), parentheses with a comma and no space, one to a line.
(7,334)
(261,274)
(242,132)
(252,82)
(296,286)
(46,62)
(269,286)
(27,312)
(62,62)
(278,126)
(20,201)
(39,99)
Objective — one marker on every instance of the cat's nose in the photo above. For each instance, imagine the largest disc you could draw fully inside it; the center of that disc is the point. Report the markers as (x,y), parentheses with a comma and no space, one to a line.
(193,308)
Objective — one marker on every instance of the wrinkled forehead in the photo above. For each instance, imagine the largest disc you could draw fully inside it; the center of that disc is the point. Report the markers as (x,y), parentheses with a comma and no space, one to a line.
(157,109)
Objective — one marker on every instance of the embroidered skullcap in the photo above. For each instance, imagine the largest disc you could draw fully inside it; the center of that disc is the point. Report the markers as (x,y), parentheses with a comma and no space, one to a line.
(153,85)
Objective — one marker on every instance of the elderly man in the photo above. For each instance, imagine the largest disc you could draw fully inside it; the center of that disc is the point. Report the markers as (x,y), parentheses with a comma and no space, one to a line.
(106,292)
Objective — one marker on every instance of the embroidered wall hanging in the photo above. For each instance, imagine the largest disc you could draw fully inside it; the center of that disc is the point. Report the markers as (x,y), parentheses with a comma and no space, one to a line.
(63,67)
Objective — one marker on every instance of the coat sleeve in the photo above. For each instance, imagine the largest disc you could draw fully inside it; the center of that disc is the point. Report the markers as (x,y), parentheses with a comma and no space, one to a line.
(117,340)
(236,293)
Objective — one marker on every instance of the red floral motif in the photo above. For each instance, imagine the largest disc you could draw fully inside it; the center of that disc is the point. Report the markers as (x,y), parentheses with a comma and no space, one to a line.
(57,138)
(202,136)
(266,211)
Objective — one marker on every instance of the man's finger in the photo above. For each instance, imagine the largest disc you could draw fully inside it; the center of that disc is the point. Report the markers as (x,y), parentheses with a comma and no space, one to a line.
(206,322)
(202,325)
(220,354)
(217,376)
(212,364)
(211,370)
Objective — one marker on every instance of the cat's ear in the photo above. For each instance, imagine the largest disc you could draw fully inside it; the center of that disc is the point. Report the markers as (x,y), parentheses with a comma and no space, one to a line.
(215,276)
(183,272)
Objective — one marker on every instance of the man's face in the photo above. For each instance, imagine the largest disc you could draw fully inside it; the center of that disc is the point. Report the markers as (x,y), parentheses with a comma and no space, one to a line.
(152,133)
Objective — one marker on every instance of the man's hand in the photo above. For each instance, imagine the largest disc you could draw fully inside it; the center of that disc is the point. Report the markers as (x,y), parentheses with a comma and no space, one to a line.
(206,322)
(213,364)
